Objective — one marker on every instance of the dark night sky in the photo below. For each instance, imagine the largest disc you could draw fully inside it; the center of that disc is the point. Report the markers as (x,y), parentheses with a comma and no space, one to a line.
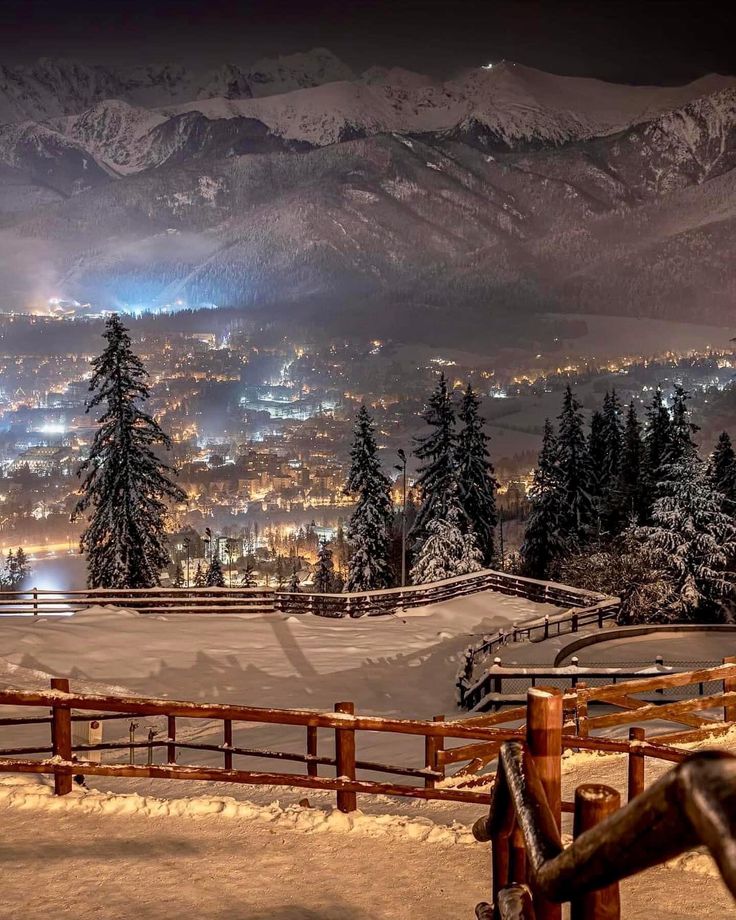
(647,41)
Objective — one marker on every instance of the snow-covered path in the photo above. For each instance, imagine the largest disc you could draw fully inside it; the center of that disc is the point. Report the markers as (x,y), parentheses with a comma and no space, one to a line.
(90,866)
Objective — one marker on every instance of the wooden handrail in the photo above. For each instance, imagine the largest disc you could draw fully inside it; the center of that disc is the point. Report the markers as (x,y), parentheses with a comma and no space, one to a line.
(692,805)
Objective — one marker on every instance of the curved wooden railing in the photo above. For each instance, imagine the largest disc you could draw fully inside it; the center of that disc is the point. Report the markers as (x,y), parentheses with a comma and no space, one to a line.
(692,805)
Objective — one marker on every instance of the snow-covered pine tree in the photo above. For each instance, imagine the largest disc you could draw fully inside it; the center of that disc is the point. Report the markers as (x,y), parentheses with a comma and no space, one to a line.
(437,453)
(573,464)
(657,432)
(611,463)
(248,578)
(543,544)
(214,578)
(178,579)
(632,489)
(446,551)
(722,472)
(22,565)
(200,579)
(294,583)
(690,546)
(126,487)
(475,475)
(10,571)
(597,457)
(324,572)
(681,444)
(369,529)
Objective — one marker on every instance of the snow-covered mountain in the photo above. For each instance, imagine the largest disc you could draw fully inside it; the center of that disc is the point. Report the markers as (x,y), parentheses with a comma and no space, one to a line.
(293,180)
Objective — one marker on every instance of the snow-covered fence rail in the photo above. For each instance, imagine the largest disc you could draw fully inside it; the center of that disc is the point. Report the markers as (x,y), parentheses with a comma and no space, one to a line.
(591,610)
(708,709)
(533,874)
(70,758)
(144,600)
(393,600)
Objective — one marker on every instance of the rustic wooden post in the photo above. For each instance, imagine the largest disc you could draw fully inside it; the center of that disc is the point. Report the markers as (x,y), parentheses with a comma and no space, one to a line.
(35,602)
(574,622)
(544,740)
(345,759)
(312,768)
(61,737)
(171,734)
(593,803)
(500,866)
(636,764)
(227,732)
(729,686)
(433,744)
(517,873)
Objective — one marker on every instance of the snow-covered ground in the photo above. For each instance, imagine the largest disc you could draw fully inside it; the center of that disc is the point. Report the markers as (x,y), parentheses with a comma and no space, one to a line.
(402,666)
(160,849)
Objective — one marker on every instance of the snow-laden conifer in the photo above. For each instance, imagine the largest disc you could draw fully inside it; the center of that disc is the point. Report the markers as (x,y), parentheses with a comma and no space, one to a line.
(437,455)
(446,551)
(126,486)
(324,572)
(722,472)
(369,529)
(475,476)
(573,466)
(544,544)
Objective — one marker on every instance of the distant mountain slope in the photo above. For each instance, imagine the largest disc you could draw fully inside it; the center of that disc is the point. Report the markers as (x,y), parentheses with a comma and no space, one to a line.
(503,190)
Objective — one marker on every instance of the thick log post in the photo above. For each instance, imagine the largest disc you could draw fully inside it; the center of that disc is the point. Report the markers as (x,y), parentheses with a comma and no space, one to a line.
(500,867)
(729,685)
(227,725)
(544,740)
(312,768)
(61,737)
(171,733)
(593,803)
(636,764)
(433,744)
(345,759)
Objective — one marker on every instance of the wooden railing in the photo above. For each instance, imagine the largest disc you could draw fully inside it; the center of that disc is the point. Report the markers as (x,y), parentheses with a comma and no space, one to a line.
(703,711)
(598,612)
(68,758)
(532,874)
(144,600)
(266,600)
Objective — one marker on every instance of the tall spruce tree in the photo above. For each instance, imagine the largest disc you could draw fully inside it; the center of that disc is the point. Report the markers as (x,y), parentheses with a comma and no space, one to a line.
(657,434)
(681,444)
(611,463)
(446,551)
(214,577)
(369,530)
(475,474)
(632,489)
(599,491)
(126,487)
(722,472)
(573,463)
(543,544)
(437,453)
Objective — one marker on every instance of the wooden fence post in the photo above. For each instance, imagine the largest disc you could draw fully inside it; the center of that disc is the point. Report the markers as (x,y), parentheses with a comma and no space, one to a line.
(593,803)
(433,744)
(227,732)
(544,740)
(636,764)
(345,759)
(171,734)
(581,709)
(35,602)
(312,768)
(61,737)
(729,685)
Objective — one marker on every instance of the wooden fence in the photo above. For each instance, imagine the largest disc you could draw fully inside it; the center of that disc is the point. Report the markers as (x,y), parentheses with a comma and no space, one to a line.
(533,874)
(267,600)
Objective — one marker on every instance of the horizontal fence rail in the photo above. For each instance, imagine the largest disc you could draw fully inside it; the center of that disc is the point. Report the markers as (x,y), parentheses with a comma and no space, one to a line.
(235,600)
(533,874)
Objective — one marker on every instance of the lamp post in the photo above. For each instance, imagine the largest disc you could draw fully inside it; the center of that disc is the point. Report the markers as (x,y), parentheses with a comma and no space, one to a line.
(402,469)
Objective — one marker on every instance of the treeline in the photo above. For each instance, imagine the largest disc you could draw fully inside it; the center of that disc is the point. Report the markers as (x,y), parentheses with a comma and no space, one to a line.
(453,525)
(628,507)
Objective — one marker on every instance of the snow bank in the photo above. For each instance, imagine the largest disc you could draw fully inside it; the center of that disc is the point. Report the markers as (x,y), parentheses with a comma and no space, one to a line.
(21,792)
